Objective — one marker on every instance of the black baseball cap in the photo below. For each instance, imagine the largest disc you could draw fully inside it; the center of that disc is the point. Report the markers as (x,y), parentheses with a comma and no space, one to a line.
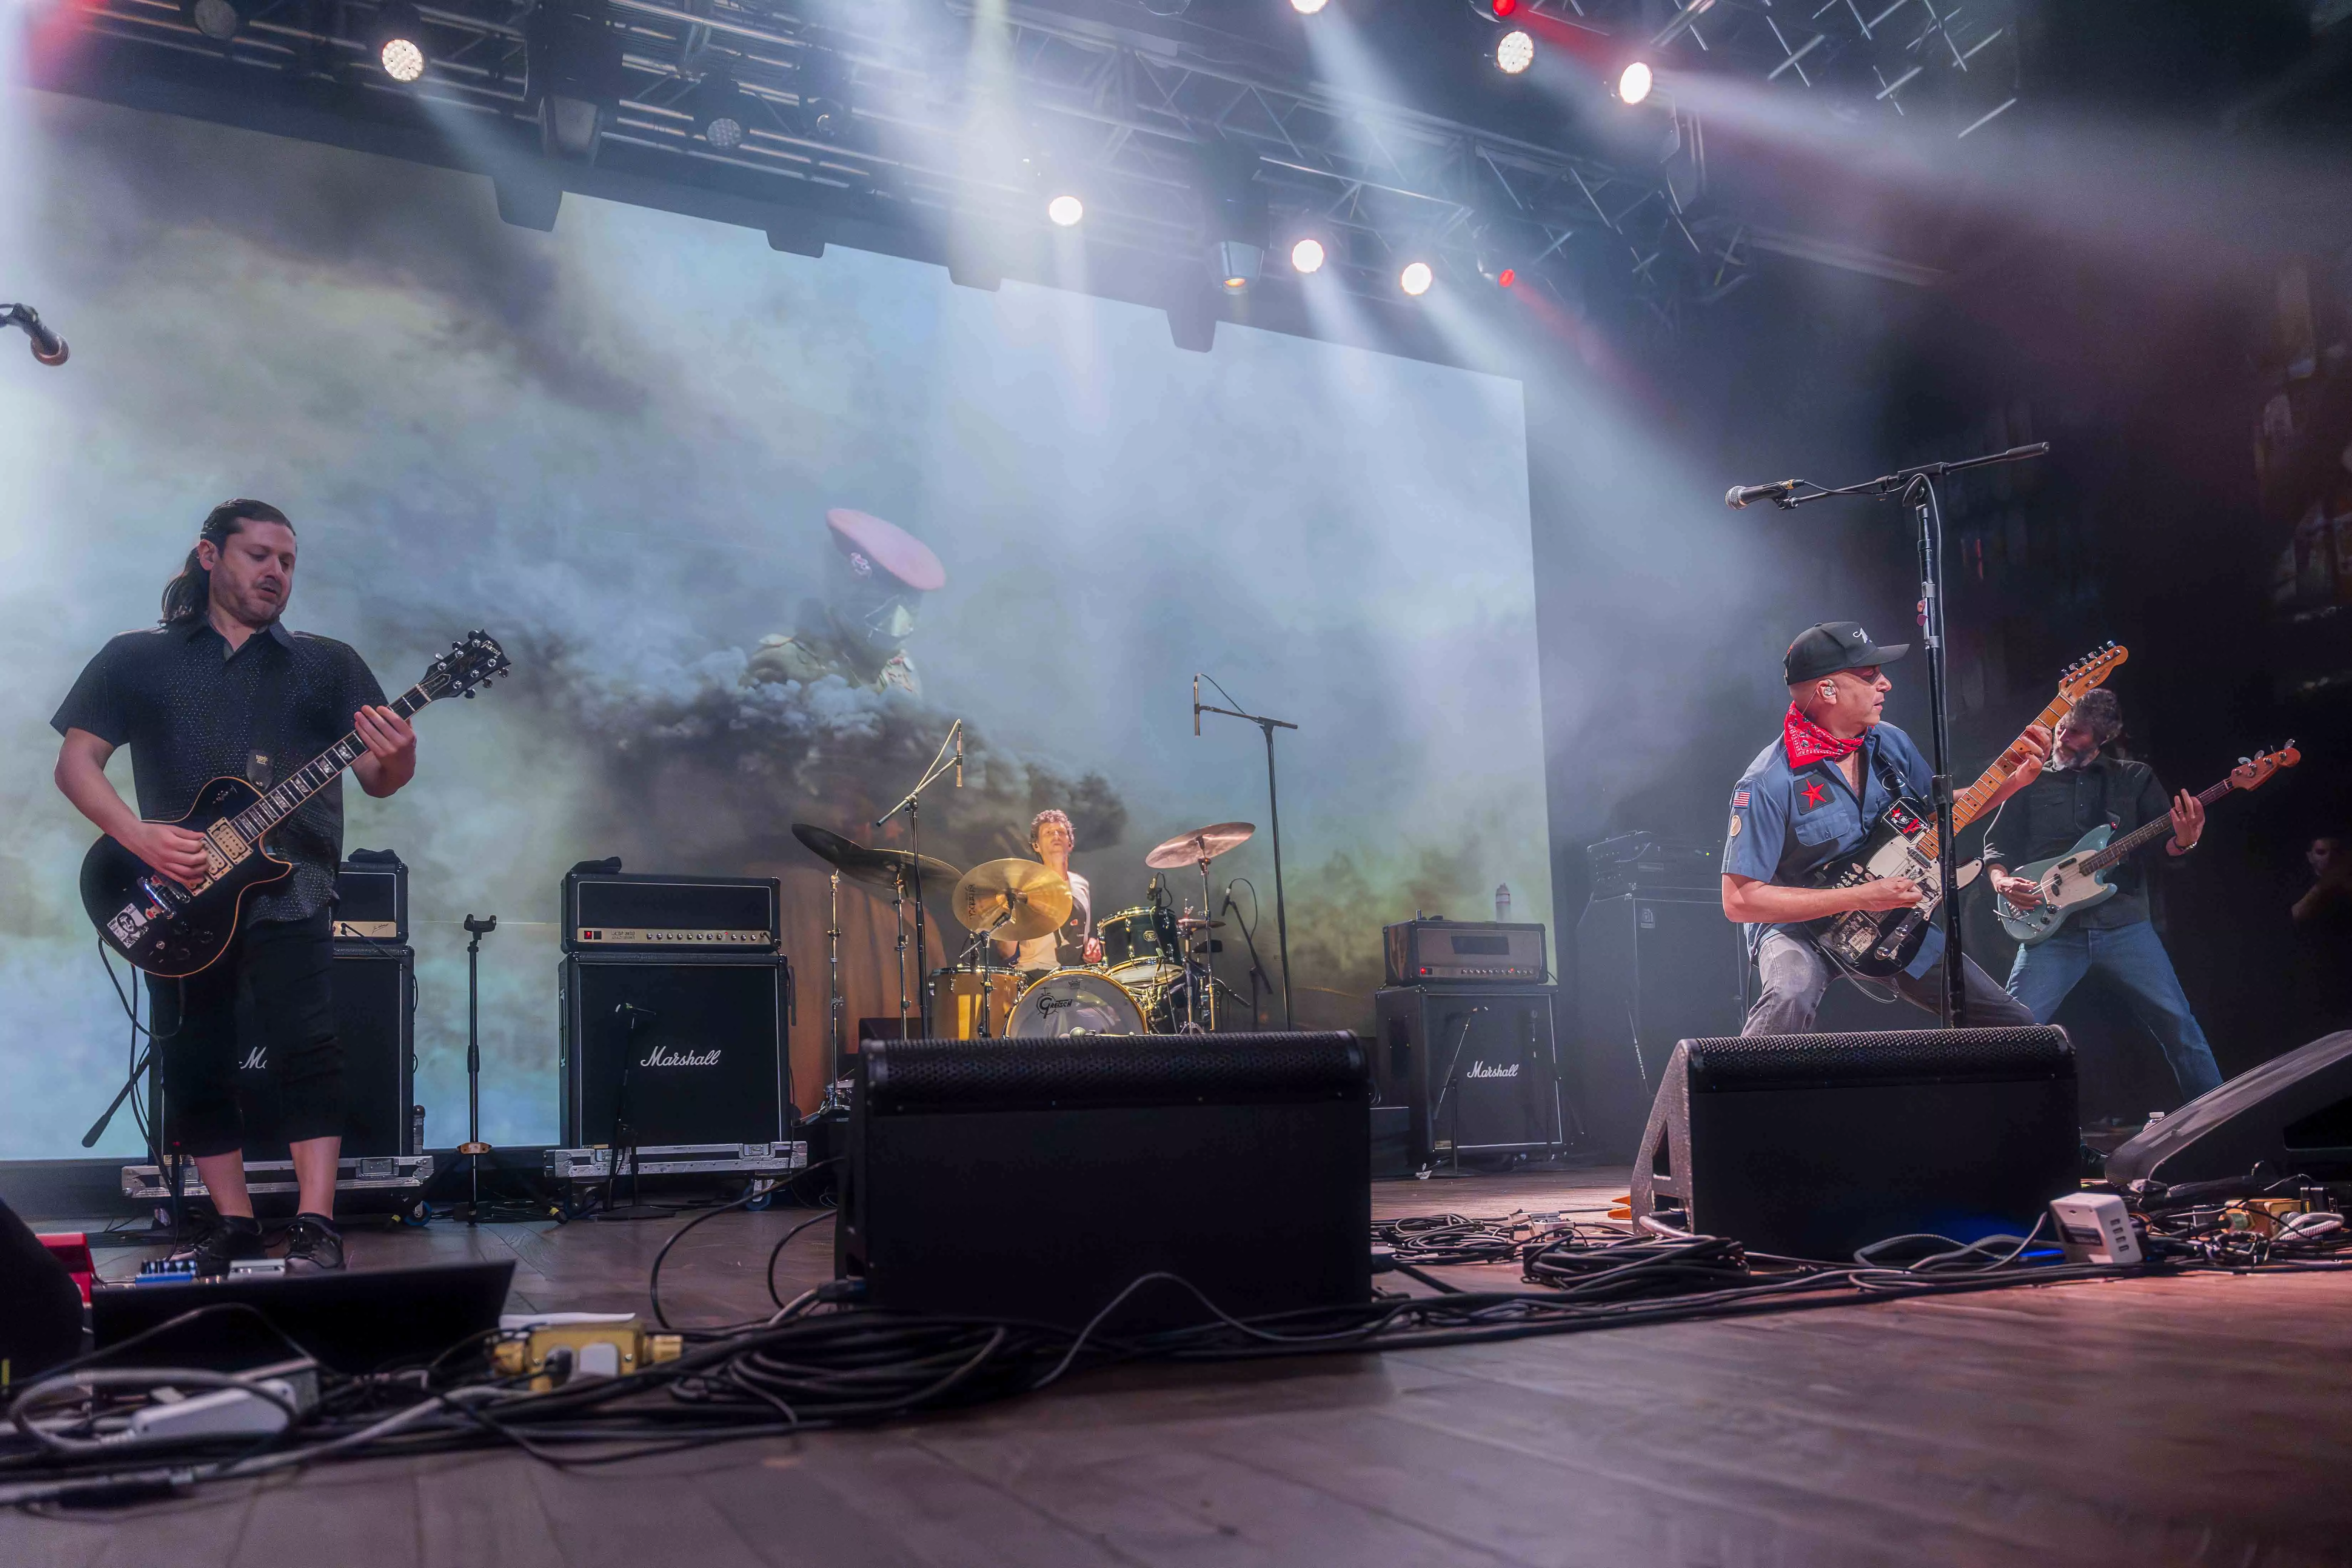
(1833,646)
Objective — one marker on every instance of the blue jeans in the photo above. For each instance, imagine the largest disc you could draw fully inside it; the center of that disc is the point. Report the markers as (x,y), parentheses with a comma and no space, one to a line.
(2133,956)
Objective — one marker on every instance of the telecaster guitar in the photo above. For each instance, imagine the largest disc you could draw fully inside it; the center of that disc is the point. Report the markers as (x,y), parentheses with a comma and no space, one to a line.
(2077,880)
(171,930)
(1903,843)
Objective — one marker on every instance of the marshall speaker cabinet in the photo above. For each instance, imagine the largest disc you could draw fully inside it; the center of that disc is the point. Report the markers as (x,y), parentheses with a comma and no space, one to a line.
(675,1048)
(376,1012)
(1475,1065)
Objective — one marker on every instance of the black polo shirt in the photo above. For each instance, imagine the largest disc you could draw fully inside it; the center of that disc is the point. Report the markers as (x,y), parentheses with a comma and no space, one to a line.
(183,703)
(2047,816)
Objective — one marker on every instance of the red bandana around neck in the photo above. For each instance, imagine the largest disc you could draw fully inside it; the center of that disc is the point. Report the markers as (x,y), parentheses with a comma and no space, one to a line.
(1807,742)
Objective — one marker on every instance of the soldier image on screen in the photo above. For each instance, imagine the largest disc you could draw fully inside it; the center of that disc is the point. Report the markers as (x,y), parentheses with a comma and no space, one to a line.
(874,581)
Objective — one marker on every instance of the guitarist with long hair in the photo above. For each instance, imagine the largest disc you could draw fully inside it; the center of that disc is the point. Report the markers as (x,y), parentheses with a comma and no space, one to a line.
(2090,783)
(220,688)
(1808,800)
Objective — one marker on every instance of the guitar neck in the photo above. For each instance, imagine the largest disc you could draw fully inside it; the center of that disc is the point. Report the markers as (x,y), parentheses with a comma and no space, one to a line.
(2145,833)
(287,797)
(1970,803)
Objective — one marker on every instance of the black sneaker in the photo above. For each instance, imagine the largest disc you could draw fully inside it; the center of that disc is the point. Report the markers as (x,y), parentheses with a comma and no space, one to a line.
(312,1243)
(224,1239)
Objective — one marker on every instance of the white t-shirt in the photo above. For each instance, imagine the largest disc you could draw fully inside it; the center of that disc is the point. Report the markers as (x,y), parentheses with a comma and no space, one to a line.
(1046,951)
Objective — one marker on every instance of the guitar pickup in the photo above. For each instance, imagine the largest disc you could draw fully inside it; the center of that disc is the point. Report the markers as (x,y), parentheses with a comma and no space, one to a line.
(225,846)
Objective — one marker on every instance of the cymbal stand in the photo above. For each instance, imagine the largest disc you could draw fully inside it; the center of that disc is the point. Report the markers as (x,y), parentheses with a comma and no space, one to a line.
(1273,819)
(473,1148)
(1208,959)
(835,1003)
(899,914)
(941,765)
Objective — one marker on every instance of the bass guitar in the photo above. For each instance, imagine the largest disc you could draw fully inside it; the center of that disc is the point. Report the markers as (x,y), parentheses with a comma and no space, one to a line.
(2077,880)
(173,931)
(1903,843)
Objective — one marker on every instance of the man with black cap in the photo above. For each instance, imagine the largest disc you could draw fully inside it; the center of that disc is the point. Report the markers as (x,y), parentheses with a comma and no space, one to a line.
(1809,799)
(2090,783)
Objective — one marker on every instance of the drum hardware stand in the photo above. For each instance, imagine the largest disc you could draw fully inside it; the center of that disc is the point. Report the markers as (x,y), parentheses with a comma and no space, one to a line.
(473,1148)
(835,1003)
(1915,487)
(1454,1149)
(624,1134)
(1273,819)
(1249,937)
(912,805)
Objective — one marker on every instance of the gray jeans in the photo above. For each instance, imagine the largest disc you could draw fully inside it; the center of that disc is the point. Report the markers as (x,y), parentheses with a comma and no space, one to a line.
(1794,976)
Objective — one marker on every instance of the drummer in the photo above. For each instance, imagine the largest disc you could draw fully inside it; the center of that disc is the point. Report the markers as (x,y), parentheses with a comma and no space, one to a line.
(1051,839)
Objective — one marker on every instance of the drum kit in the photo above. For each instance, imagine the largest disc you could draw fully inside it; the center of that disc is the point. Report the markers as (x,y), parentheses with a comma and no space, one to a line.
(1156,976)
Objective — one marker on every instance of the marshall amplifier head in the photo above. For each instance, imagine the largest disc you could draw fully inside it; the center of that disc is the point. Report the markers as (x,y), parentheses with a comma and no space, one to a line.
(372,898)
(610,912)
(1464,953)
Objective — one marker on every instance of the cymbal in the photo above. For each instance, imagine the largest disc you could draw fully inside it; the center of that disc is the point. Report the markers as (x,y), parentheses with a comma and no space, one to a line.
(1029,899)
(883,868)
(1201,844)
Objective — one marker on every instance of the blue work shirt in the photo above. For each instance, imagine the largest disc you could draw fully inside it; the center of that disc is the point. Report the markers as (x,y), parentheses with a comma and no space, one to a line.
(1787,823)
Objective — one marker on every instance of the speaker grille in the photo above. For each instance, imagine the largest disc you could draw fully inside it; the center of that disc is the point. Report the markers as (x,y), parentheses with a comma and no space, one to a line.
(1112,1069)
(1894,1056)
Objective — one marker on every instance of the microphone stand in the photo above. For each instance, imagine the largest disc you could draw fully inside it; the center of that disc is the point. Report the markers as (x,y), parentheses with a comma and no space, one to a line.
(1915,487)
(1274,818)
(1249,937)
(473,1148)
(912,805)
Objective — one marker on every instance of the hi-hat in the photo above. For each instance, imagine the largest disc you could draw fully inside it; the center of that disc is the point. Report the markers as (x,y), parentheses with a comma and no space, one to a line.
(1201,844)
(1012,900)
(892,870)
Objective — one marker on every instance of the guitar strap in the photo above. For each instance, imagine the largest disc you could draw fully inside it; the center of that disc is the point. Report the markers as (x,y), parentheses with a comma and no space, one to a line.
(264,724)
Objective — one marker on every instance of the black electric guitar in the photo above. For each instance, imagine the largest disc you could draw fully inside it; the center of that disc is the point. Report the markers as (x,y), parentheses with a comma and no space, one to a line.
(1903,843)
(171,930)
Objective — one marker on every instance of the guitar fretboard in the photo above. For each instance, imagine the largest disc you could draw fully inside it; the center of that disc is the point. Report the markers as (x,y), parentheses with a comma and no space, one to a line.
(2145,831)
(1971,801)
(287,797)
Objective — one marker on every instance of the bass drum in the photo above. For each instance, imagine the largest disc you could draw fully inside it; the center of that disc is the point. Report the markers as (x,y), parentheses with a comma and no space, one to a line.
(1075,1002)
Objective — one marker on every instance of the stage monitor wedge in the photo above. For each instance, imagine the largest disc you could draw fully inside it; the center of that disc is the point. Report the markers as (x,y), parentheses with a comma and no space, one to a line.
(2293,1114)
(1813,1145)
(1037,1180)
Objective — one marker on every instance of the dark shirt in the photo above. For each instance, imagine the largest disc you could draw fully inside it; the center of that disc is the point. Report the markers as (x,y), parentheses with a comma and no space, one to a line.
(1788,823)
(2046,817)
(183,704)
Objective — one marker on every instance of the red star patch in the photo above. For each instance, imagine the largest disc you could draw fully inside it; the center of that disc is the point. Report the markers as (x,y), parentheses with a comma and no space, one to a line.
(1815,794)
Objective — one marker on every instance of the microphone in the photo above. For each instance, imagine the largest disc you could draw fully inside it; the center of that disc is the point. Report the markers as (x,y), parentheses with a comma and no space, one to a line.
(1742,496)
(1196,705)
(48,347)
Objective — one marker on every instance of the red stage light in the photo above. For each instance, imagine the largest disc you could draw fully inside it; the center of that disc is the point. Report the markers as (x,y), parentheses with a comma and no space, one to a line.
(1508,276)
(1505,7)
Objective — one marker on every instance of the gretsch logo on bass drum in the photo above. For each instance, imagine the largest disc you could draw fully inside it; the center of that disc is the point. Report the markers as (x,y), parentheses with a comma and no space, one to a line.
(663,1056)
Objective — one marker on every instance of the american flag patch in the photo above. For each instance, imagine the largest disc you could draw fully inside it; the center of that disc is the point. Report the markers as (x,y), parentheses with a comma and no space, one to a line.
(1739,801)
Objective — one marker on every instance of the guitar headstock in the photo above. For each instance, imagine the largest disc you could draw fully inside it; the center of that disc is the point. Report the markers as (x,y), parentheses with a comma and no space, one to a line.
(2092,669)
(2252,772)
(472,663)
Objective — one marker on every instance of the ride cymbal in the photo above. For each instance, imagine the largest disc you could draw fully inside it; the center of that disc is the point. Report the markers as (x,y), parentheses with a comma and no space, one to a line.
(1201,844)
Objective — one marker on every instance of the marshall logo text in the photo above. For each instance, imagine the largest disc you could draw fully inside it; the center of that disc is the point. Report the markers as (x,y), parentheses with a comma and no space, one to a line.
(663,1056)
(1485,1069)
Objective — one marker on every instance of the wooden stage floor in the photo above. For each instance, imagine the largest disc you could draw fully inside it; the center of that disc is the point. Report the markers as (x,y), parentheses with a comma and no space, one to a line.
(2199,1421)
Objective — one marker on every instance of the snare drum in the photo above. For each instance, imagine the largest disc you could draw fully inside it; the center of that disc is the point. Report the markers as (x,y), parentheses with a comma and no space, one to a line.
(1075,1002)
(955,1002)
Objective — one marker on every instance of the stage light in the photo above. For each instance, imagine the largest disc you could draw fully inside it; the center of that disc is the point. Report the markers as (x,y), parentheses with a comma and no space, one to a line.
(1514,51)
(1065,210)
(1633,83)
(1307,255)
(723,112)
(572,78)
(1307,7)
(1234,264)
(399,39)
(221,20)
(1416,278)
(823,88)
(1502,8)
(1507,276)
